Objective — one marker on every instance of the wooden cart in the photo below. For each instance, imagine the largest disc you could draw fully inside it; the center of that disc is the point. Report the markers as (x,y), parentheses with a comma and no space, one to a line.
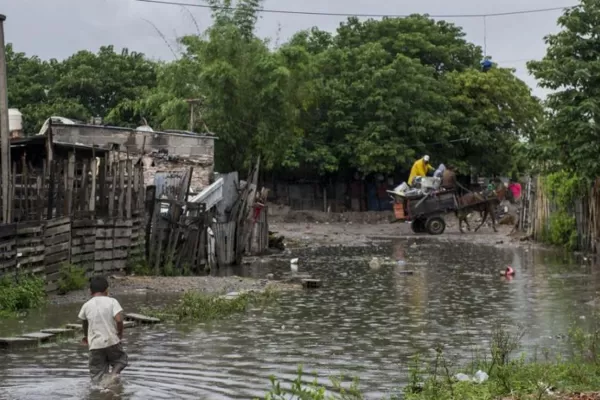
(426,213)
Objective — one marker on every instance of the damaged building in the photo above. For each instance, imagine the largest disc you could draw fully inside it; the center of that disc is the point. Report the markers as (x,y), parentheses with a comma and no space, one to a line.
(164,154)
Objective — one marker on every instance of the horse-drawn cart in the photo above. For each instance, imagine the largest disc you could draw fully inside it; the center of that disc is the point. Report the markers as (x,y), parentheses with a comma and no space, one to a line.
(426,212)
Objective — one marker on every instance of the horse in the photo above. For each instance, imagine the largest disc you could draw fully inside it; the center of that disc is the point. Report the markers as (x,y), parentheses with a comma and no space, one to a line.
(484,203)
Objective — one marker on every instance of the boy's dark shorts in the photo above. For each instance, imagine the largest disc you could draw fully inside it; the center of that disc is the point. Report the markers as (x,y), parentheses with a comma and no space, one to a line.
(102,359)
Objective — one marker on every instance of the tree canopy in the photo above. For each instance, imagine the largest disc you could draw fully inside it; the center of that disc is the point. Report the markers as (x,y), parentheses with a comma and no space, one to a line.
(372,96)
(570,137)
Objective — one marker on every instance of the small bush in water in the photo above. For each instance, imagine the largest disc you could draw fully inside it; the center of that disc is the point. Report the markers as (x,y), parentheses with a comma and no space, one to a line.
(194,306)
(72,278)
(21,294)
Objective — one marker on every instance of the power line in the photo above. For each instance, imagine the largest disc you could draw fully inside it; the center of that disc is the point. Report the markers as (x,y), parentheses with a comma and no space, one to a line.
(335,14)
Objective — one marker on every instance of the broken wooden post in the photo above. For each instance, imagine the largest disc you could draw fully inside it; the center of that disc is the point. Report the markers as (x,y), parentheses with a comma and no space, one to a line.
(70,179)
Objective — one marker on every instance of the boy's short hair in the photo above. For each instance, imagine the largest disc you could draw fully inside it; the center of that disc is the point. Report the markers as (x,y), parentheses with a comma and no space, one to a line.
(98,284)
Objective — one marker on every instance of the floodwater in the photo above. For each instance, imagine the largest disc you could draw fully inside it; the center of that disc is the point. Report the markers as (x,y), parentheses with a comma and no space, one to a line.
(363,322)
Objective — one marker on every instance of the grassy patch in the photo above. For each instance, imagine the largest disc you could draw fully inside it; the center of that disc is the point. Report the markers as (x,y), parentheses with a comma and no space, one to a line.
(199,307)
(21,294)
(72,278)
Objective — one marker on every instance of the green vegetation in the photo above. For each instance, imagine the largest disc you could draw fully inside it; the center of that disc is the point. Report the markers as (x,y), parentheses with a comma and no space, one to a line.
(510,378)
(565,145)
(563,189)
(372,96)
(567,140)
(72,278)
(21,294)
(138,266)
(299,389)
(199,307)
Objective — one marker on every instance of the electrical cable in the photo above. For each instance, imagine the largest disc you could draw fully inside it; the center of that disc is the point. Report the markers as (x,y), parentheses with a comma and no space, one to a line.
(340,14)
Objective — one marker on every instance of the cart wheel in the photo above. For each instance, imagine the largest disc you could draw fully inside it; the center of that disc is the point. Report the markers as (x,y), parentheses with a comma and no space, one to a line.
(436,226)
(418,225)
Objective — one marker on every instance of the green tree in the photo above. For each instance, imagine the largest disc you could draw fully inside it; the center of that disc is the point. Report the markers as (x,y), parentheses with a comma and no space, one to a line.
(570,136)
(101,81)
(493,112)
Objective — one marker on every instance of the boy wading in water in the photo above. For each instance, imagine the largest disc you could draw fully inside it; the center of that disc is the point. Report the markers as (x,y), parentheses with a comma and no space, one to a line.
(102,318)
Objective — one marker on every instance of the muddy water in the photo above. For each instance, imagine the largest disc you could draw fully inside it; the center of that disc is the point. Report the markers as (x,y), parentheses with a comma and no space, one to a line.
(364,322)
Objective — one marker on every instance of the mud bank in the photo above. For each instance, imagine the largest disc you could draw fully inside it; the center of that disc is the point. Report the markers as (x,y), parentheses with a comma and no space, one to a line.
(160,285)
(363,234)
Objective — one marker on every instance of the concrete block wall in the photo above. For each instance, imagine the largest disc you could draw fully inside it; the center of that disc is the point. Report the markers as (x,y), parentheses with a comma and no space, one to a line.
(200,148)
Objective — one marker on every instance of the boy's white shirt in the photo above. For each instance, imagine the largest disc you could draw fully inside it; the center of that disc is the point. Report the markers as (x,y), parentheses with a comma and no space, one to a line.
(100,312)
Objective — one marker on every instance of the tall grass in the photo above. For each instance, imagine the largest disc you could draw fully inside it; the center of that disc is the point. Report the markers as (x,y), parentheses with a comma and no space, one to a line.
(200,307)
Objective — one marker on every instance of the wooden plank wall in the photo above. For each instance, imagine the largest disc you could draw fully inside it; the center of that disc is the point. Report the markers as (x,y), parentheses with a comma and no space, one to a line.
(138,233)
(8,248)
(121,243)
(57,252)
(30,244)
(103,246)
(83,243)
(96,210)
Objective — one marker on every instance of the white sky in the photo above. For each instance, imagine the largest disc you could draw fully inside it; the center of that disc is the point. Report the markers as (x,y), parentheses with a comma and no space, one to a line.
(58,28)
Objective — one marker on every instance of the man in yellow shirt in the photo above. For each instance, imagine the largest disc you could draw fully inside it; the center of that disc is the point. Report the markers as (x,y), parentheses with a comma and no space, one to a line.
(421,167)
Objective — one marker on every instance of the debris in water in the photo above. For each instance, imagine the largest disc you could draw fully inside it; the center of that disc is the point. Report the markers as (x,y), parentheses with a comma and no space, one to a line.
(311,283)
(375,263)
(508,272)
(479,377)
(294,264)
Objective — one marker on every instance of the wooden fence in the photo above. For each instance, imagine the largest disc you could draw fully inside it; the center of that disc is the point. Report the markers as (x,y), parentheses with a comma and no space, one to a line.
(42,248)
(536,215)
(74,211)
(110,188)
(178,237)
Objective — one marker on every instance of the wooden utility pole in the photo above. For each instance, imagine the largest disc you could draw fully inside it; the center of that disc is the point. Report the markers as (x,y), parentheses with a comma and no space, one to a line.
(4,132)
(192,103)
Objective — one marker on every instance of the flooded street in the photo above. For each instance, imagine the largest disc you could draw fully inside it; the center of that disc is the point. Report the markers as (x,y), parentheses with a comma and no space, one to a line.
(364,322)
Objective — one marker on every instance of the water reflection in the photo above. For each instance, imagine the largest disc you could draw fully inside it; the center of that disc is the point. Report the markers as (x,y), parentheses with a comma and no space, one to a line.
(362,322)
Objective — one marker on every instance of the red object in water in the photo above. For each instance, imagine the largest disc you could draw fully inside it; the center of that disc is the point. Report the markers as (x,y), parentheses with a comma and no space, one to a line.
(509,271)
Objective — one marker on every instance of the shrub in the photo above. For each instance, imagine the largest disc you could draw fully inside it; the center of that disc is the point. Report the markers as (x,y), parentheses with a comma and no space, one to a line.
(72,278)
(21,294)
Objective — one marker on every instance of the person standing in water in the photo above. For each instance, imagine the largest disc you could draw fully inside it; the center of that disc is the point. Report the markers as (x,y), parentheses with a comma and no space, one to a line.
(102,318)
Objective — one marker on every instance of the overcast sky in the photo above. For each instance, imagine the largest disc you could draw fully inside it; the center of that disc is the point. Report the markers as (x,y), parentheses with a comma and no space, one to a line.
(58,28)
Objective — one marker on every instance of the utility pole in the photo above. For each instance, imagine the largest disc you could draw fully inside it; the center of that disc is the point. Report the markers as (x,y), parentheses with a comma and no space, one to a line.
(4,133)
(192,103)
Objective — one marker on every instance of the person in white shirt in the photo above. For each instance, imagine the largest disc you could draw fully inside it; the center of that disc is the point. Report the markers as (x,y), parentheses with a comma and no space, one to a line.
(102,318)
